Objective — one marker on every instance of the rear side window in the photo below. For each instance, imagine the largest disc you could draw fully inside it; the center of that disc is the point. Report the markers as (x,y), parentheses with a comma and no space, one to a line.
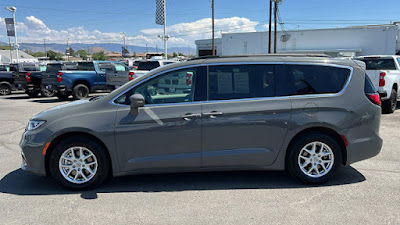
(106,67)
(71,66)
(29,68)
(368,87)
(311,79)
(241,81)
(379,64)
(85,66)
(53,67)
(149,65)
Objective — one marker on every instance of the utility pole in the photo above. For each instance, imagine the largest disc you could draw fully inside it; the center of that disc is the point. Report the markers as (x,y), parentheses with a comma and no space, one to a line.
(157,49)
(269,26)
(275,11)
(213,37)
(67,49)
(146,49)
(9,43)
(45,51)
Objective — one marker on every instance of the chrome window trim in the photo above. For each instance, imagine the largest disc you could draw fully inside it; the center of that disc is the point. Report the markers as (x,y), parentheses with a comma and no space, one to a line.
(244,99)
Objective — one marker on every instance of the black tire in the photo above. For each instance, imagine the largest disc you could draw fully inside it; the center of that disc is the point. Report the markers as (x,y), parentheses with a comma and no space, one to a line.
(47,93)
(296,149)
(32,94)
(390,105)
(5,88)
(80,91)
(62,95)
(103,162)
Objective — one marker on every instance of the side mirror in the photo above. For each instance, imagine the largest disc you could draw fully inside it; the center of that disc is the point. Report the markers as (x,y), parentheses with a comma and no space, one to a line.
(137,100)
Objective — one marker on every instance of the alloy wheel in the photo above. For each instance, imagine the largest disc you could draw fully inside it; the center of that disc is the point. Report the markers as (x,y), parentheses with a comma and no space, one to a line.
(316,159)
(78,165)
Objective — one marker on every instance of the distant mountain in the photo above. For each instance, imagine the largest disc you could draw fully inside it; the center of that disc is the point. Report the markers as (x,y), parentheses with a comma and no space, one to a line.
(107,47)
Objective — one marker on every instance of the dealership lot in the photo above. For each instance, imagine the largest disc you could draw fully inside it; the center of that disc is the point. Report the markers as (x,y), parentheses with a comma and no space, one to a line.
(368,192)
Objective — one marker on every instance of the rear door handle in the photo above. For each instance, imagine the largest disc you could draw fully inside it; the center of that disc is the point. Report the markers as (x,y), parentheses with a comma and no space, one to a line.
(189,116)
(213,114)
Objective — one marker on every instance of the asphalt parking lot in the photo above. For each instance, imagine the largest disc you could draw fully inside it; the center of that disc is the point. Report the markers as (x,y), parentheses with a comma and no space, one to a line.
(368,192)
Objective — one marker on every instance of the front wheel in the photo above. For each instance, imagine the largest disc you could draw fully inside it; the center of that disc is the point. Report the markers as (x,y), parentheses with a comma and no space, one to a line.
(390,105)
(314,158)
(5,88)
(79,163)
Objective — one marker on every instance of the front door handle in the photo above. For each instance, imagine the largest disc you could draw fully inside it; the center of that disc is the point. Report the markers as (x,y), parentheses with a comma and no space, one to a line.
(213,114)
(189,116)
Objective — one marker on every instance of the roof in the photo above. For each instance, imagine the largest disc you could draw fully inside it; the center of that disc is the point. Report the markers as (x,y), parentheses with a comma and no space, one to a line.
(21,54)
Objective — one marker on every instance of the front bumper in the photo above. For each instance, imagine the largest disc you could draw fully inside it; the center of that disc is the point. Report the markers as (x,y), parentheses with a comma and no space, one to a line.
(32,158)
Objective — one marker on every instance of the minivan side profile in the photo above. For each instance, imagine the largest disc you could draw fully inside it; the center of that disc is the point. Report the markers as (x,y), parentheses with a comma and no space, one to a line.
(307,115)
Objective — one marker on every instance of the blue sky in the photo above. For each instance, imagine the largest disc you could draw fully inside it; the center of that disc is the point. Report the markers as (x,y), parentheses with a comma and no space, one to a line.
(102,21)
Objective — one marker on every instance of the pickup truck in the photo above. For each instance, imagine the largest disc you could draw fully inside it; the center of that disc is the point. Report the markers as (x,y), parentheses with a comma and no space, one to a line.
(87,78)
(384,72)
(22,78)
(147,65)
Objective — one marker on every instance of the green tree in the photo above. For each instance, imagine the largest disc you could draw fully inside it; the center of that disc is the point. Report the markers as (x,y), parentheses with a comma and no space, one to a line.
(39,54)
(82,53)
(99,56)
(52,55)
(174,55)
(134,55)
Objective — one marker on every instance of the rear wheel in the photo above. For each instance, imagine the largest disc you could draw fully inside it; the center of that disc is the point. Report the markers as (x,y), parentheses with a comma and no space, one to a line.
(79,163)
(80,91)
(314,158)
(47,93)
(390,105)
(5,88)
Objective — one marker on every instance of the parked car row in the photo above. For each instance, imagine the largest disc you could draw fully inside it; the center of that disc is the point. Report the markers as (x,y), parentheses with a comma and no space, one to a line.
(63,79)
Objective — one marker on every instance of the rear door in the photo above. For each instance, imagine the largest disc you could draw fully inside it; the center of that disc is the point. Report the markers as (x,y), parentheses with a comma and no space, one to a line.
(243,123)
(106,71)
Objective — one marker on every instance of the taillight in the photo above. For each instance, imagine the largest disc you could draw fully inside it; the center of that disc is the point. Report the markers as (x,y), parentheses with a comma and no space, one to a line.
(131,74)
(382,79)
(188,79)
(28,77)
(374,98)
(59,77)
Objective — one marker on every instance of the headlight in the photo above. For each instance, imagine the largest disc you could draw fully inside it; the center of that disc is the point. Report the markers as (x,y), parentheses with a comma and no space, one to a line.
(34,124)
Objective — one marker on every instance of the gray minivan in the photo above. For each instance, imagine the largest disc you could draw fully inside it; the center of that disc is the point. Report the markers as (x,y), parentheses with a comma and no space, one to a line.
(309,115)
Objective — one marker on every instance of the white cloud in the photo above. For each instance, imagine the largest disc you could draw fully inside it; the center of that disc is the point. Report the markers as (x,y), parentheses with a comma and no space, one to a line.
(34,30)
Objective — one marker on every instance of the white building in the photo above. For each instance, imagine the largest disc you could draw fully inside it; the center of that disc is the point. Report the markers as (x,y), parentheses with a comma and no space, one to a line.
(350,41)
(6,56)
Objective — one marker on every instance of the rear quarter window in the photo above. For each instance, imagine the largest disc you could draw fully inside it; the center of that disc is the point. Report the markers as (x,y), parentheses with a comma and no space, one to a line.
(311,79)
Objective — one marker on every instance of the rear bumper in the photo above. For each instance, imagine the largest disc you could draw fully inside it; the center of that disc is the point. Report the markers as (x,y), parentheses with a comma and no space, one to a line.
(363,148)
(58,88)
(383,95)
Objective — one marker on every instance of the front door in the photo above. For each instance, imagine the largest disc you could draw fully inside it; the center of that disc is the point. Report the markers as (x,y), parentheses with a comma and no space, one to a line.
(243,124)
(166,132)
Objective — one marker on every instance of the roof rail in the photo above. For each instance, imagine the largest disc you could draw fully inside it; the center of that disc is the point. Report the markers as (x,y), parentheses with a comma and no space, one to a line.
(266,55)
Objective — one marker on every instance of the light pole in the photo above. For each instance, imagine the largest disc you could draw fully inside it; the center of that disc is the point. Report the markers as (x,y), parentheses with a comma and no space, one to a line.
(13,9)
(123,33)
